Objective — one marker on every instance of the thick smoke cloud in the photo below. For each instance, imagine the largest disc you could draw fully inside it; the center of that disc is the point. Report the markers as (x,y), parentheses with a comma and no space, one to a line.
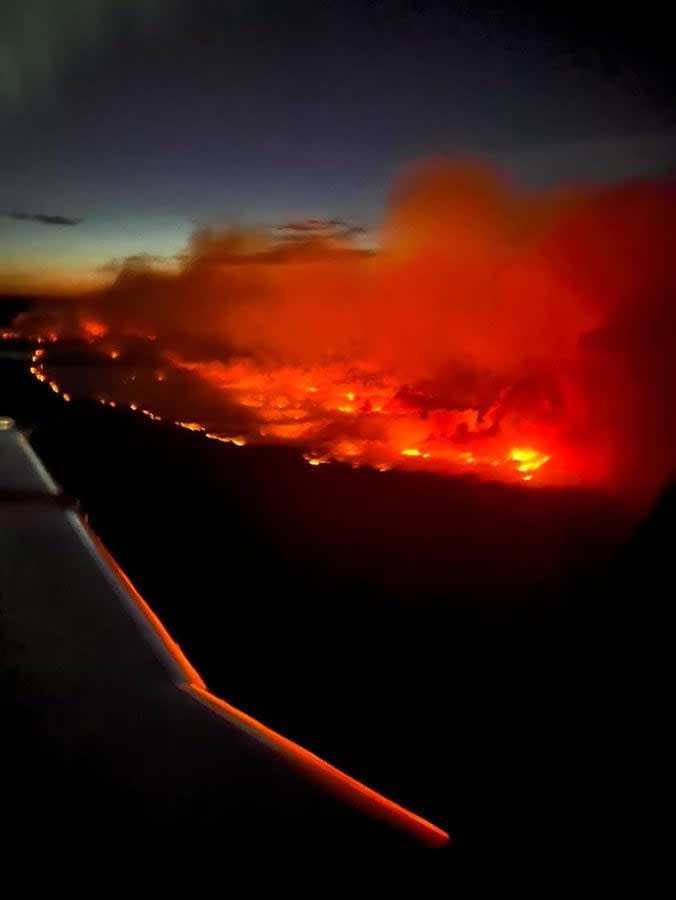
(560,305)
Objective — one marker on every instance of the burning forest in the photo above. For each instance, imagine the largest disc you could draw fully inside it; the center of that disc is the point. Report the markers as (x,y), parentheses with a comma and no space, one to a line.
(515,336)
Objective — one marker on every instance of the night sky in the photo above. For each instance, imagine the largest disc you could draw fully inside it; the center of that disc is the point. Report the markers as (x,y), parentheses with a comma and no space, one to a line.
(124,124)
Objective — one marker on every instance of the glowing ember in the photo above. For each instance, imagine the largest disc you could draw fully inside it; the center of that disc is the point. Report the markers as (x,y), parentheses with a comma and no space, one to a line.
(94,329)
(224,439)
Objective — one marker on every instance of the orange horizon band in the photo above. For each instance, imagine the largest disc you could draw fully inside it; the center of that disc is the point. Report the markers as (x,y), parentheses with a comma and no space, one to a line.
(331,778)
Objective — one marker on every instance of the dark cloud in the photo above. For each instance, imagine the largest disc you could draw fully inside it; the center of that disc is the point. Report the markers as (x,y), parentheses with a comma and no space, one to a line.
(144,258)
(42,218)
(311,225)
(327,228)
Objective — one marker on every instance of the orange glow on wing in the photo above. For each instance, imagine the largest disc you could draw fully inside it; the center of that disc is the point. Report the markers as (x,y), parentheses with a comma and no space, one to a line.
(192,676)
(348,789)
(329,777)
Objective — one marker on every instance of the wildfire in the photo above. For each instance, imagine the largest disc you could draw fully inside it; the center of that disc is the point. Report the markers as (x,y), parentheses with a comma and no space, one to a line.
(493,333)
(357,415)
(385,426)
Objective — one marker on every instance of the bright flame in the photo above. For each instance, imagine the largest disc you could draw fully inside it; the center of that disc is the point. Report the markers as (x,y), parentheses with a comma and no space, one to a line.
(528,460)
(305,408)
(94,329)
(387,427)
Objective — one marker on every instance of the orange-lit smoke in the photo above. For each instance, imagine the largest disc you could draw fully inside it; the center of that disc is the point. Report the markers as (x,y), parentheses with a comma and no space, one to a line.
(517,335)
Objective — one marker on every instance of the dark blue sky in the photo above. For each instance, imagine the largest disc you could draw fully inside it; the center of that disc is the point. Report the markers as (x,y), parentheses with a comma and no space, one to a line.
(261,111)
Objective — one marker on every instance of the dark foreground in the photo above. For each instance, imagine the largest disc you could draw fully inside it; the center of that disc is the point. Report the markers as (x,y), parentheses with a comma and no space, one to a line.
(493,659)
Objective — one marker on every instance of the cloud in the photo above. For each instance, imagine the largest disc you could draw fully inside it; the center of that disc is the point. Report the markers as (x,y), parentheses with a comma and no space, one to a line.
(310,240)
(42,218)
(136,260)
(319,228)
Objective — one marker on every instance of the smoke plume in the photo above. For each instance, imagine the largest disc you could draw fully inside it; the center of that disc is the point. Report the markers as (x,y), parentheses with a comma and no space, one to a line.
(487,322)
